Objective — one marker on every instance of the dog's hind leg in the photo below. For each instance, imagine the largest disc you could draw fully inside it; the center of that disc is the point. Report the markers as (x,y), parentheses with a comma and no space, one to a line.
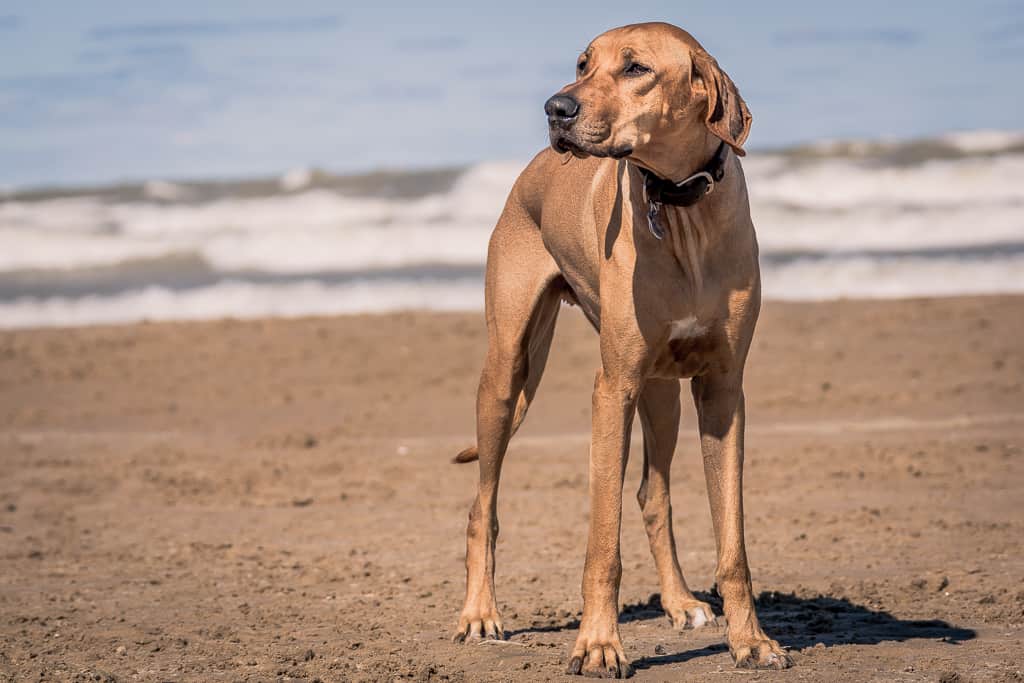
(522,296)
(537,358)
(658,408)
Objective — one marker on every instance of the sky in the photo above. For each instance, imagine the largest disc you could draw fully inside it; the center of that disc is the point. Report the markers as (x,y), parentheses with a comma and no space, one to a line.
(103,91)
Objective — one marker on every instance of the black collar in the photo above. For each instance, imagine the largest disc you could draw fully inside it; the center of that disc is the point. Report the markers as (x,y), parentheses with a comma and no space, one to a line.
(690,190)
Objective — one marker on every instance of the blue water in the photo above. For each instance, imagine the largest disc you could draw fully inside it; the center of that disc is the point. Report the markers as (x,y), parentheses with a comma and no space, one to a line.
(103,91)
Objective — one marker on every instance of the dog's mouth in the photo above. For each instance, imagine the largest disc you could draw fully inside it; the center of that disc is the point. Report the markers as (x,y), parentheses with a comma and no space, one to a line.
(562,144)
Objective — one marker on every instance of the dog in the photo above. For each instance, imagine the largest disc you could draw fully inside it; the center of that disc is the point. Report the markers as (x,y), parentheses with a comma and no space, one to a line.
(638,214)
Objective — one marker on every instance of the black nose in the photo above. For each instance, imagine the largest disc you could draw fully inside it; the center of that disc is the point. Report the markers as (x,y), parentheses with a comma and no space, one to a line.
(561,109)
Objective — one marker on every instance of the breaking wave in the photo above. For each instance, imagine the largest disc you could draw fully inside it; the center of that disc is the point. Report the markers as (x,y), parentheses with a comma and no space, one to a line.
(942,216)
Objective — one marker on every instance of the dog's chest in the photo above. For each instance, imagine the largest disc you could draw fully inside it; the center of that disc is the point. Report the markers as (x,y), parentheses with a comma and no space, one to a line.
(691,347)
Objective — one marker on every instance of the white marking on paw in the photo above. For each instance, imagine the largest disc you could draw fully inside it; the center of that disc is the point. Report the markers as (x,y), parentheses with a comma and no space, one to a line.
(699,618)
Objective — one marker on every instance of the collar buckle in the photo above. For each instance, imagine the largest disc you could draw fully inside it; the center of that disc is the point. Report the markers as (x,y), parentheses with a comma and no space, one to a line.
(653,209)
(700,174)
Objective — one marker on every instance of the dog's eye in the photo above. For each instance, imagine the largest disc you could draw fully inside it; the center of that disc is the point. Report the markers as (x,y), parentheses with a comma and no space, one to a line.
(634,69)
(582,66)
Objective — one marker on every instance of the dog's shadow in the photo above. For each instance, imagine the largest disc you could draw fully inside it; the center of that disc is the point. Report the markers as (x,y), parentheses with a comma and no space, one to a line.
(796,622)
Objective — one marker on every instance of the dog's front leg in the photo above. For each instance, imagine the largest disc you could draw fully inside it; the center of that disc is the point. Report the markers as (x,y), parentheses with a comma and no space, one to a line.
(720,411)
(598,649)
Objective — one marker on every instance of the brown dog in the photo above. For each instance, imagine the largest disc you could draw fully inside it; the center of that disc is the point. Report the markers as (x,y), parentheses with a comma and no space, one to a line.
(668,275)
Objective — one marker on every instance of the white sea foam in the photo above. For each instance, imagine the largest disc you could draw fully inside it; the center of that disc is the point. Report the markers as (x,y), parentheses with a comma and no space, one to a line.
(311,230)
(242,300)
(796,281)
(829,225)
(888,278)
(984,140)
(843,184)
(296,179)
(161,189)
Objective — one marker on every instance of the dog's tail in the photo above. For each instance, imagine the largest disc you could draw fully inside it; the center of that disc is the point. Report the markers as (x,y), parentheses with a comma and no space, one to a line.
(470,454)
(466,455)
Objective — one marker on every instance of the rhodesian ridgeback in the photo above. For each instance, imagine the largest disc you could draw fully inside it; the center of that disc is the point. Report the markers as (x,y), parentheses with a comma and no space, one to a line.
(638,214)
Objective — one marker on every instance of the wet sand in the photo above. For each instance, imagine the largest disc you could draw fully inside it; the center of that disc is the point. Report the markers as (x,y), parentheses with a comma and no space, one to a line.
(273,499)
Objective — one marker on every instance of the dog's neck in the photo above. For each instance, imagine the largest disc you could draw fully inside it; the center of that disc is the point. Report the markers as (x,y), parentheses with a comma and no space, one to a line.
(683,230)
(691,190)
(681,158)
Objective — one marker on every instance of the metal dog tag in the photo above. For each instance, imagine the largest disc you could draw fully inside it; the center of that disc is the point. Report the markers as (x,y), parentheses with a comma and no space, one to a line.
(652,220)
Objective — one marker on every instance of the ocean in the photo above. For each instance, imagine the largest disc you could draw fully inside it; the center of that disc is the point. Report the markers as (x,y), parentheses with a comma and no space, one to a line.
(929,217)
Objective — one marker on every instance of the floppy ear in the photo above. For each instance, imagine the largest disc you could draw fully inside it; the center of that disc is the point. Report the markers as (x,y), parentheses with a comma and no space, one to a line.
(728,117)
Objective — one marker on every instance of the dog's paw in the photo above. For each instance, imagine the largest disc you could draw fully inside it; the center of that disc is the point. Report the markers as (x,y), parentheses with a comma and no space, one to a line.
(691,614)
(761,654)
(479,626)
(599,658)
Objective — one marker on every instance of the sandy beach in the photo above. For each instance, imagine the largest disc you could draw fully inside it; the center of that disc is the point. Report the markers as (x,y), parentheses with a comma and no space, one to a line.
(273,500)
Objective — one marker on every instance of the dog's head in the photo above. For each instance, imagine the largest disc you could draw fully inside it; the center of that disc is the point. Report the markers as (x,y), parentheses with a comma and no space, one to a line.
(642,88)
